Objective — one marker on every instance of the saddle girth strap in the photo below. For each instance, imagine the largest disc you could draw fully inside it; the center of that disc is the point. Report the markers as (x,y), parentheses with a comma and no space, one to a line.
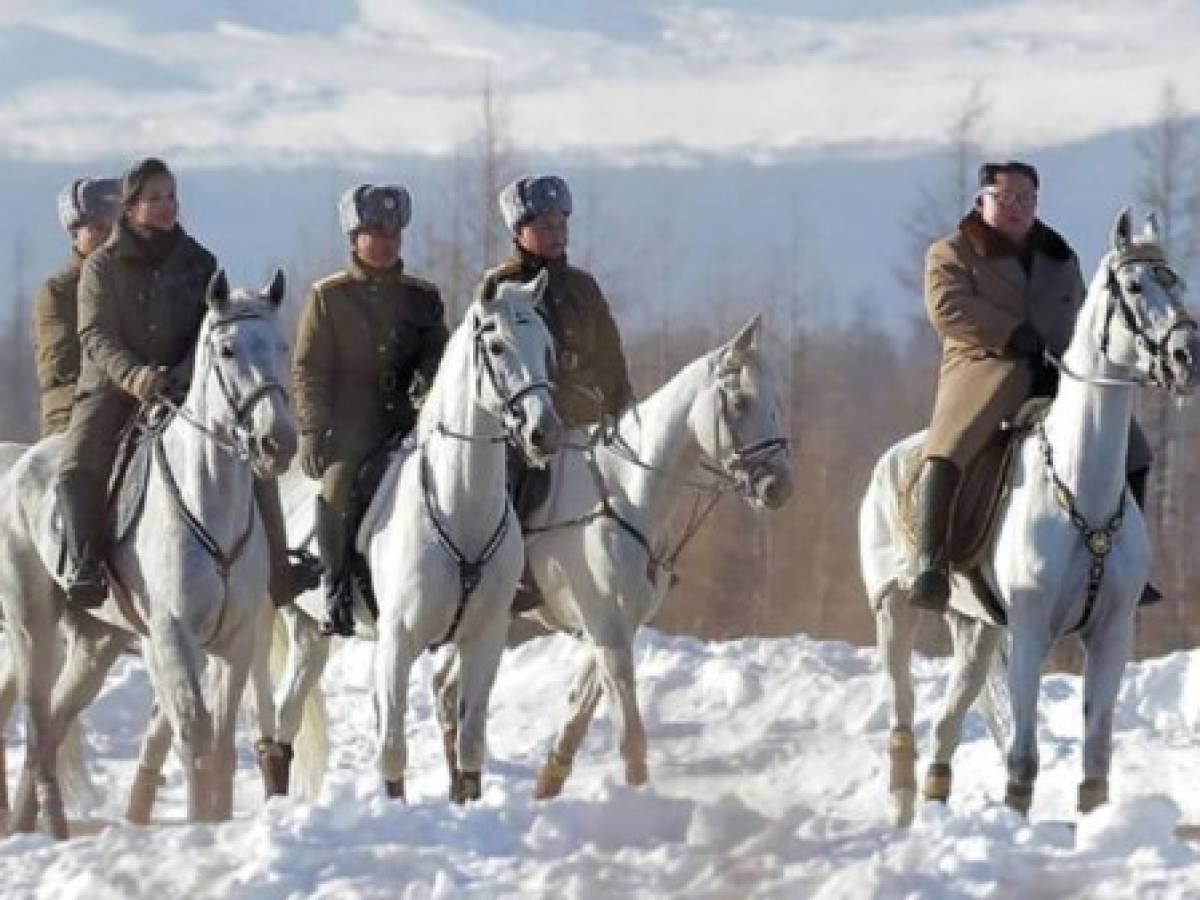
(470,571)
(224,561)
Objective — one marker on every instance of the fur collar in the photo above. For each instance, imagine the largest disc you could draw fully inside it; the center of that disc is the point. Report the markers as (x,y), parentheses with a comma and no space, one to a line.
(988,242)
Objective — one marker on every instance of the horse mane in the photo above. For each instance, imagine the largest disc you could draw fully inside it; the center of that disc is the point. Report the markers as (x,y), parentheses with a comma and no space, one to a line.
(451,373)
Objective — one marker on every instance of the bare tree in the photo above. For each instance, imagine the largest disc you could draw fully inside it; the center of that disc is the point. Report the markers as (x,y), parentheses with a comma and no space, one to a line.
(1169,184)
(939,206)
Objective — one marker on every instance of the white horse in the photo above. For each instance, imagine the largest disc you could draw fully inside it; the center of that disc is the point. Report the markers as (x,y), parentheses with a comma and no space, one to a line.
(190,577)
(598,548)
(441,540)
(1070,550)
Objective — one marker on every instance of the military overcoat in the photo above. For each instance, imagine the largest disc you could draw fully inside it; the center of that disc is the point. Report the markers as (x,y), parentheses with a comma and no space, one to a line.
(56,344)
(591,375)
(362,336)
(978,289)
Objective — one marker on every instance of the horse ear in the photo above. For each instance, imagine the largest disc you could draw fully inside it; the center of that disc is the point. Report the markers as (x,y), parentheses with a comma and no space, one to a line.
(1122,230)
(218,290)
(1151,231)
(277,288)
(733,354)
(539,285)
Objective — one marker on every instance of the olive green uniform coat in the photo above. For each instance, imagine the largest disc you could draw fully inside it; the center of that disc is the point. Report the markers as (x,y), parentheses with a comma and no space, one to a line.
(134,310)
(592,377)
(362,337)
(977,291)
(56,345)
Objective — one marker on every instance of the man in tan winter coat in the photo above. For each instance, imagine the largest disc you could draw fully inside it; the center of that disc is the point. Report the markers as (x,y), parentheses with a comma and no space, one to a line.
(369,343)
(1000,290)
(86,209)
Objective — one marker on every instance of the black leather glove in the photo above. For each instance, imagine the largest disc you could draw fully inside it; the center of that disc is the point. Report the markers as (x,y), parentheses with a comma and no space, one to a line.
(312,454)
(1024,341)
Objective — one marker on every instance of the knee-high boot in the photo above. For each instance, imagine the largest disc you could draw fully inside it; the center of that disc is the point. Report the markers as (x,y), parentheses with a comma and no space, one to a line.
(81,501)
(935,498)
(339,599)
(1137,489)
(292,571)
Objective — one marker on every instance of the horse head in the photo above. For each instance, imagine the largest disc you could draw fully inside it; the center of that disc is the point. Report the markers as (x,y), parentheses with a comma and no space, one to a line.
(512,355)
(1155,336)
(737,422)
(238,390)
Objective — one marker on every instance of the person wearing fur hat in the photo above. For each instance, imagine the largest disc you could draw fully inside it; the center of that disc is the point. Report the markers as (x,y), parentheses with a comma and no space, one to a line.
(1000,290)
(591,375)
(141,305)
(86,209)
(368,344)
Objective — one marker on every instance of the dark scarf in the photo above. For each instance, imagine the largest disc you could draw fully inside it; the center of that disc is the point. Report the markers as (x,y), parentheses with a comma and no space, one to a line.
(153,245)
(988,242)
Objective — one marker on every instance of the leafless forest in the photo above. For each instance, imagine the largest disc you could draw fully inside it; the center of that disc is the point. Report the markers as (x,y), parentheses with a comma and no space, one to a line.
(850,390)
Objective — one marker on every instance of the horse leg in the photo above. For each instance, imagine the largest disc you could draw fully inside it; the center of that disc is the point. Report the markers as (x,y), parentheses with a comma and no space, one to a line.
(1024,680)
(8,699)
(445,705)
(393,663)
(894,621)
(974,642)
(581,702)
(1107,653)
(299,687)
(176,666)
(34,663)
(156,744)
(479,657)
(230,672)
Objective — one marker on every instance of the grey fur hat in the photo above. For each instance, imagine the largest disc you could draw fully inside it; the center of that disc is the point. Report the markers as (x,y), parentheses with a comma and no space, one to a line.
(374,206)
(530,196)
(87,200)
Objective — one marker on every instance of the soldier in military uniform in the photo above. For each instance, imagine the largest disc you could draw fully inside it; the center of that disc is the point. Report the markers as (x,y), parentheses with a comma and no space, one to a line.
(369,342)
(1000,290)
(591,375)
(86,209)
(141,305)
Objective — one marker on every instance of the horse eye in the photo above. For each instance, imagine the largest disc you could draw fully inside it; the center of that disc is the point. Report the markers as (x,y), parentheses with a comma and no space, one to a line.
(226,351)
(495,348)
(1166,277)
(1133,286)
(740,403)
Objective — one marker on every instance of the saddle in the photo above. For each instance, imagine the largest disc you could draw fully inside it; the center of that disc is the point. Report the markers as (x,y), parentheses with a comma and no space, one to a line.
(985,483)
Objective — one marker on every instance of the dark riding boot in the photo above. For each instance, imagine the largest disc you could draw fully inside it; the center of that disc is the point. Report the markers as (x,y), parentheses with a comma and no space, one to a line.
(81,502)
(1137,488)
(292,571)
(936,488)
(339,599)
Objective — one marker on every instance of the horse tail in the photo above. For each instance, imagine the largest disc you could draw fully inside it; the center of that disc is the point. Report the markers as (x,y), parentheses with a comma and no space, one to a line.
(311,745)
(885,559)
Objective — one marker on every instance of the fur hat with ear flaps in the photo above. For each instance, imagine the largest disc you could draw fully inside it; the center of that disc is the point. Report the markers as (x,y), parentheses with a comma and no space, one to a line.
(88,200)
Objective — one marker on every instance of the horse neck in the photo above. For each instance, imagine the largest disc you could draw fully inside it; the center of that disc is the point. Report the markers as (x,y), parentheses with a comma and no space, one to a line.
(461,473)
(661,435)
(1088,424)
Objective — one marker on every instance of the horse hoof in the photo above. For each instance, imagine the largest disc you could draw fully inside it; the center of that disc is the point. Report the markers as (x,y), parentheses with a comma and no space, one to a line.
(1018,796)
(636,772)
(551,777)
(275,765)
(466,786)
(937,782)
(394,789)
(1093,793)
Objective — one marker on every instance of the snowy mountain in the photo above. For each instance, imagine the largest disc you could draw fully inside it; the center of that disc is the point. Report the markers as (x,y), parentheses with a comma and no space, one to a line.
(768,780)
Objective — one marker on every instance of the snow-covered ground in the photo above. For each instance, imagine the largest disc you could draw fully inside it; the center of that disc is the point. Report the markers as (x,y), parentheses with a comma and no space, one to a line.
(767,780)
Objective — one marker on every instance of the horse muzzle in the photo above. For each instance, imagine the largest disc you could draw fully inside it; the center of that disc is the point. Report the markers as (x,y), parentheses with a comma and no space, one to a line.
(272,454)
(541,436)
(1181,360)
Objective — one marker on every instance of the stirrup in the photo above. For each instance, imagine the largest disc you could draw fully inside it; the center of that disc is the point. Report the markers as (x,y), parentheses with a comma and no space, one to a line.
(306,568)
(339,618)
(931,590)
(88,587)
